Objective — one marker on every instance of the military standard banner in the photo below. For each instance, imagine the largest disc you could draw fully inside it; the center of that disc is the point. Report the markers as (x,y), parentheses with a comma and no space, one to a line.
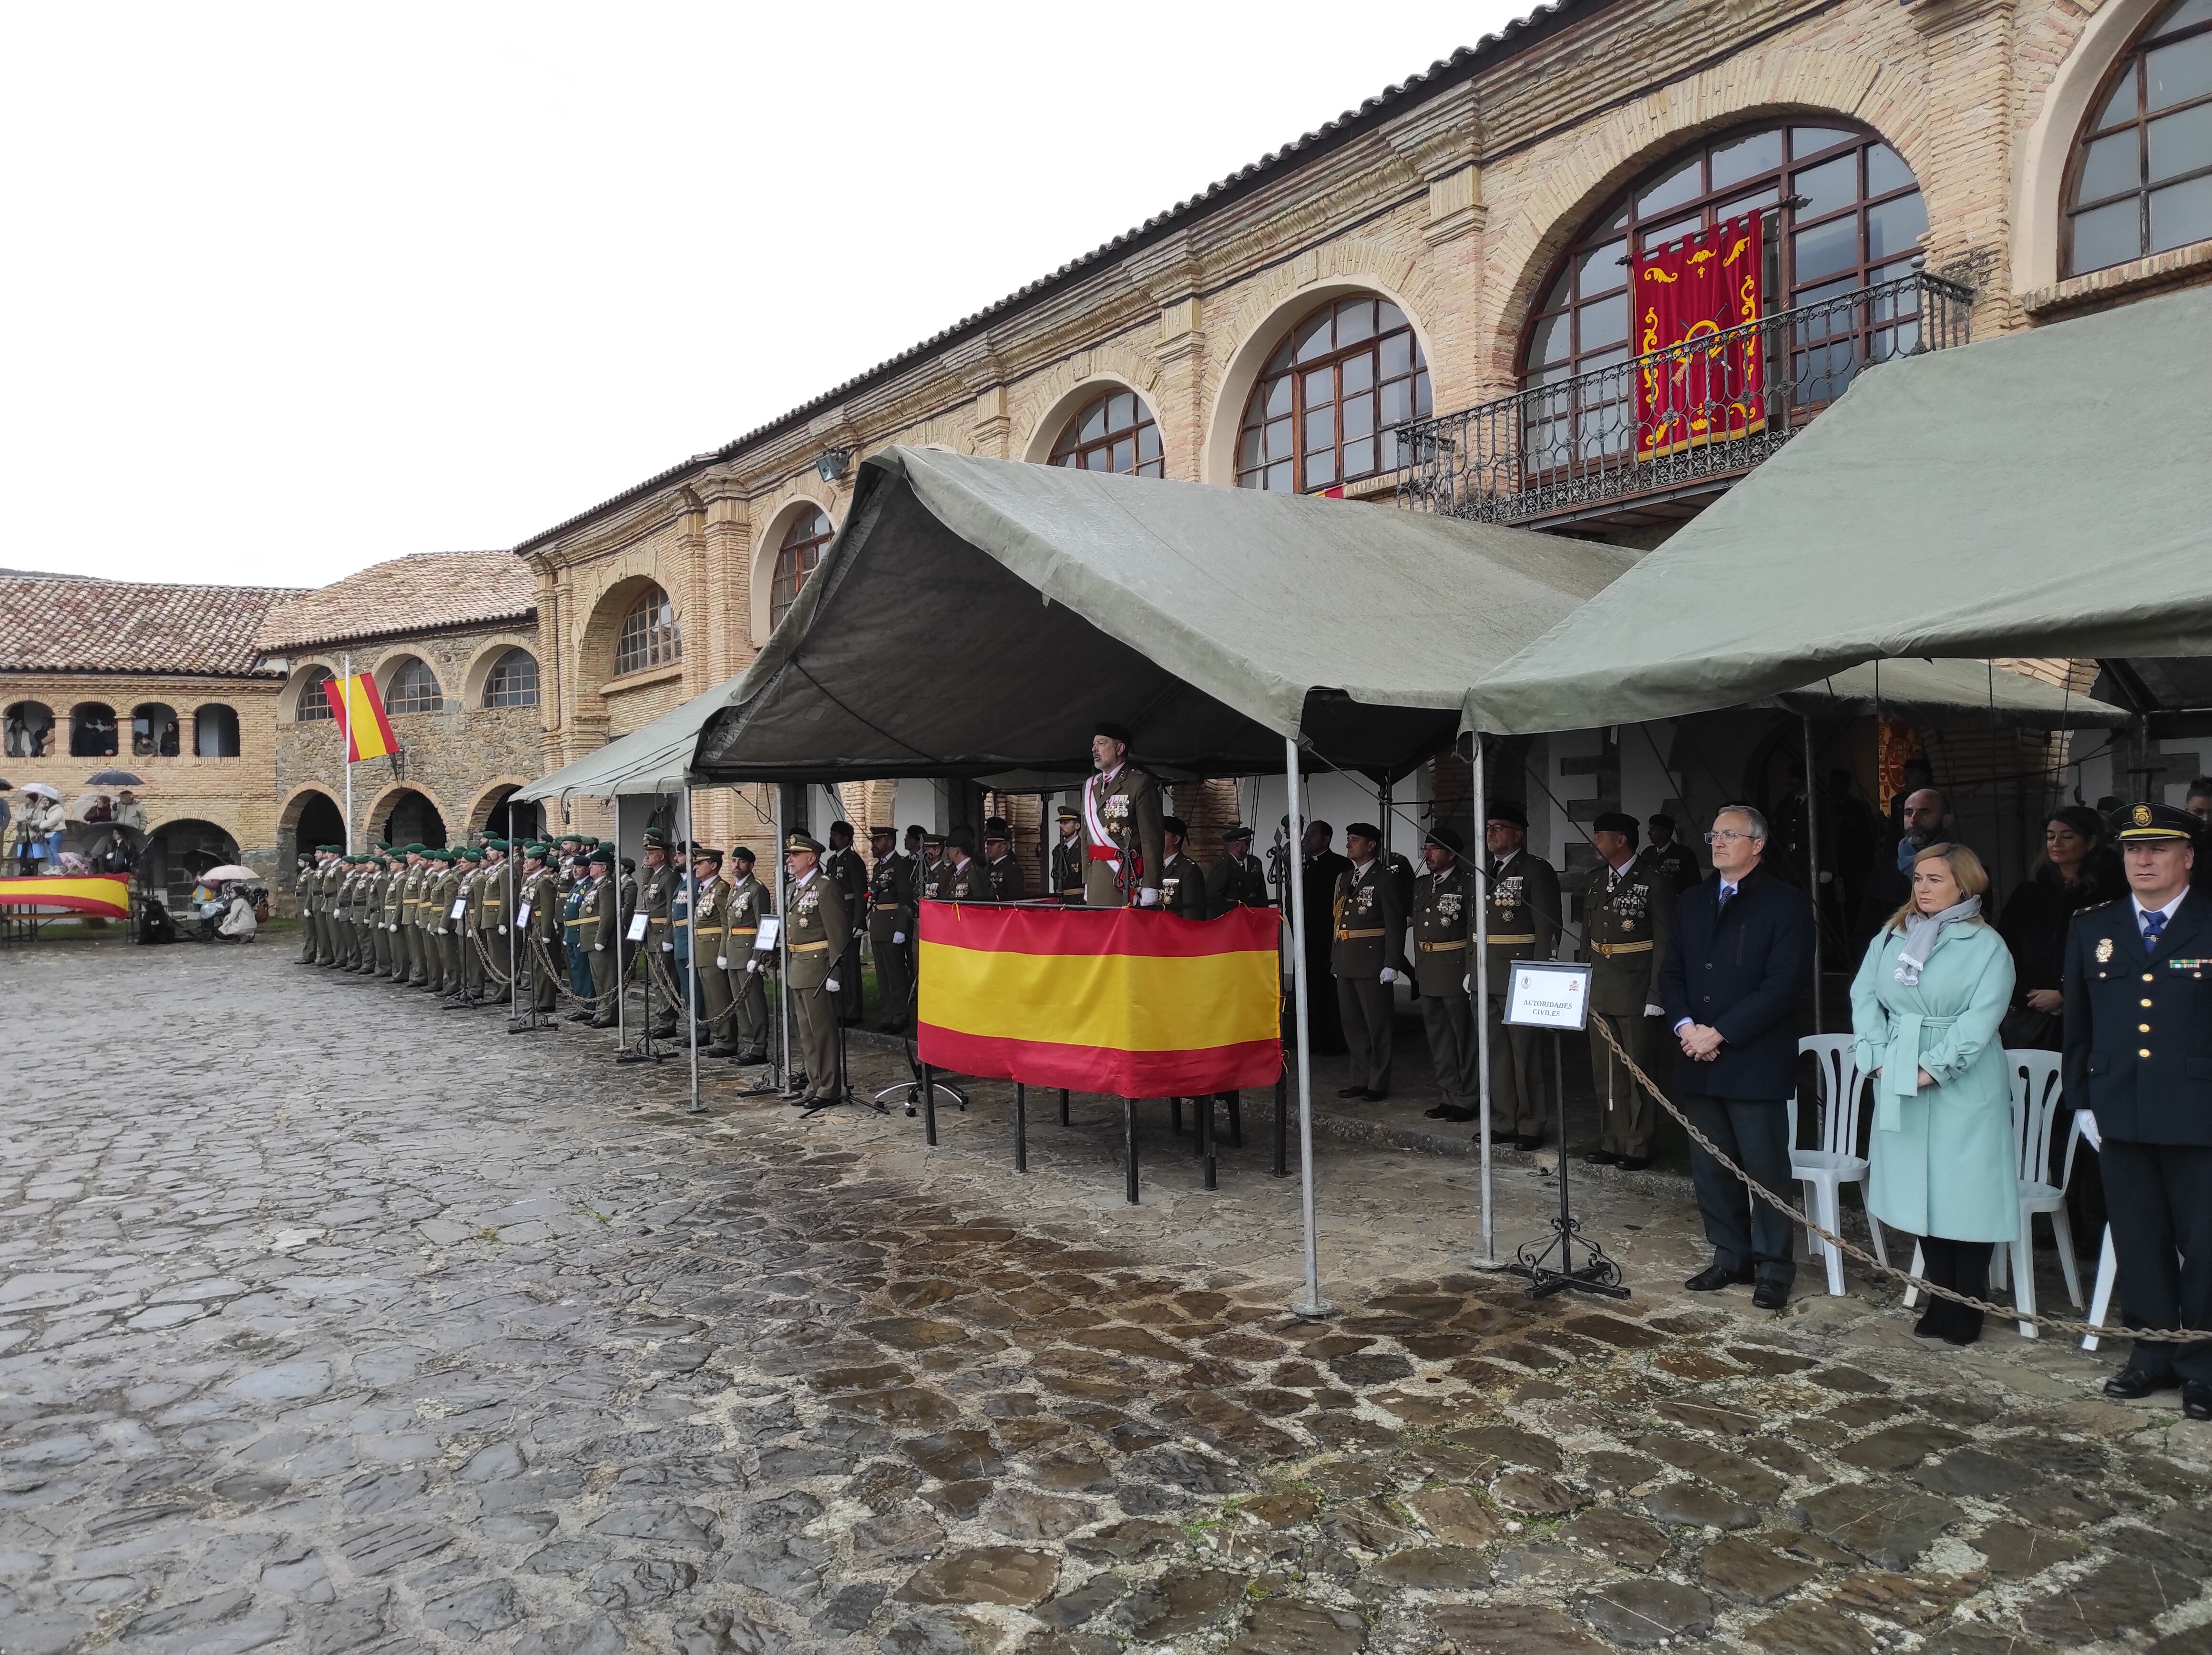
(1124,1001)
(1699,377)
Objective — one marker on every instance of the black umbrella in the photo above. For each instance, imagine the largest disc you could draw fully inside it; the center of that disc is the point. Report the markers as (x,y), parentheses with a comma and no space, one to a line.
(112,779)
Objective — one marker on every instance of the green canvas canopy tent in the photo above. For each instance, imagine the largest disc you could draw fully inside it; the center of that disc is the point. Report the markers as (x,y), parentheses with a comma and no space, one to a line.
(977,615)
(2037,495)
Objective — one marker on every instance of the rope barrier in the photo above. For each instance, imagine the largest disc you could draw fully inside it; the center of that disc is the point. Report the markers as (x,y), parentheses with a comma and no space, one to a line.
(1873,1265)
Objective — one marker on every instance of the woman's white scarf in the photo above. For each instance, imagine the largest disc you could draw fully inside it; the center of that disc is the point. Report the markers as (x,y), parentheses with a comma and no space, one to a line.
(1923,931)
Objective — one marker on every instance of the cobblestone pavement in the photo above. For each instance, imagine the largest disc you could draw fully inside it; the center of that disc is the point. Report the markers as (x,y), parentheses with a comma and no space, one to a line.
(331,1322)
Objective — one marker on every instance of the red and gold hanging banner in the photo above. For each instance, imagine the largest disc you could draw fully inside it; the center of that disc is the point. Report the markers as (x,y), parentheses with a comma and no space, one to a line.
(1698,289)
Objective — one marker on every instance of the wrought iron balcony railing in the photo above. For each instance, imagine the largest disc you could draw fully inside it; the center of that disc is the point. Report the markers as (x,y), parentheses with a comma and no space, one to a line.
(1676,423)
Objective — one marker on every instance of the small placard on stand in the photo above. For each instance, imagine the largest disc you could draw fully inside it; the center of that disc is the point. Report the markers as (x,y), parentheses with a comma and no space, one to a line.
(1552,994)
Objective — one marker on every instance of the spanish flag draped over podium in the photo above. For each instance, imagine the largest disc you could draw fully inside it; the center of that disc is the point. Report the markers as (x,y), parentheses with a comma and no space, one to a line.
(1123,1001)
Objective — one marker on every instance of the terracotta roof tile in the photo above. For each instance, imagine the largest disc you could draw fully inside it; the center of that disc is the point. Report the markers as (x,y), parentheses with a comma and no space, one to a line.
(426,592)
(68,623)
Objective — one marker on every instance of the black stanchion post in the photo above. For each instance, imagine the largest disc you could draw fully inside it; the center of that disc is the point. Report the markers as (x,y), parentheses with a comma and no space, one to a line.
(1283,1125)
(1129,1149)
(1205,1106)
(1021,1127)
(929,1105)
(1063,1106)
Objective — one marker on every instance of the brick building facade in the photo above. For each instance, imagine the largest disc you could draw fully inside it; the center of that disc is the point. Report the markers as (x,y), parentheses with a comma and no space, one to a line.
(1455,198)
(451,639)
(161,680)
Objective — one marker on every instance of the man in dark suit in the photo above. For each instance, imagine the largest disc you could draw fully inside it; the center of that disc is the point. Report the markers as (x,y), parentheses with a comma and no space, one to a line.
(1735,972)
(1319,869)
(2138,1067)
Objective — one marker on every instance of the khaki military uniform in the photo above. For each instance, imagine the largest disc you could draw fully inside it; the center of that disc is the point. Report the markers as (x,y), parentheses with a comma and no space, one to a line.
(749,902)
(342,911)
(601,927)
(541,895)
(1444,924)
(325,892)
(1183,886)
(1677,864)
(816,926)
(1369,935)
(395,911)
(962,882)
(710,960)
(421,935)
(303,897)
(1628,918)
(656,892)
(1127,807)
(494,886)
(447,929)
(1524,924)
(893,918)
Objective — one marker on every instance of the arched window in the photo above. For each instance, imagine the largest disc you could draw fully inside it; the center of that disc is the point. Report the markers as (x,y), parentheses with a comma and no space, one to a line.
(1112,433)
(91,730)
(513,681)
(315,703)
(153,731)
(1321,413)
(649,637)
(795,559)
(414,688)
(29,727)
(1851,215)
(2141,173)
(214,732)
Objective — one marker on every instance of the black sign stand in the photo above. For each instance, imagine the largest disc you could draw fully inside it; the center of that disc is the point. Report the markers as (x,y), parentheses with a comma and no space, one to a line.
(1597,1273)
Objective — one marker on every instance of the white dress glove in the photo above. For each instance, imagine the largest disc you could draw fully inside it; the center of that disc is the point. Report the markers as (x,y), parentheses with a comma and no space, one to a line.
(1148,898)
(598,948)
(898,936)
(1650,1010)
(502,930)
(1388,975)
(441,931)
(721,962)
(668,947)
(751,967)
(2090,1135)
(831,984)
(1467,984)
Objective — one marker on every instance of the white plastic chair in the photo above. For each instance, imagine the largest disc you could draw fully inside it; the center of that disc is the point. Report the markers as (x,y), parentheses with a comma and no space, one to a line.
(1825,1170)
(2036,1089)
(2108,1276)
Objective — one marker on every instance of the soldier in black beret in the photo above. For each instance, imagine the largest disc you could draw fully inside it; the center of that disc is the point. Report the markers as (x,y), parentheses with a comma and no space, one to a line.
(1443,925)
(1239,880)
(2138,1072)
(1182,882)
(1523,893)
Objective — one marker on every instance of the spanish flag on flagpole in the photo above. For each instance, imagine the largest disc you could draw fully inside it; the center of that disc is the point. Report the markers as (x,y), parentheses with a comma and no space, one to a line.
(1121,1001)
(360,711)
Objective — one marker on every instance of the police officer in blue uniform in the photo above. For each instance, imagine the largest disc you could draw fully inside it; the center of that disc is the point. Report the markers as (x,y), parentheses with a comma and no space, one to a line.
(2138,1064)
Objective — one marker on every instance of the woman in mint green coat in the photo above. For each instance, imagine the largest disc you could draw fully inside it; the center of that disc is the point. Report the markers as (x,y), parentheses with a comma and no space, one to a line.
(1925,1007)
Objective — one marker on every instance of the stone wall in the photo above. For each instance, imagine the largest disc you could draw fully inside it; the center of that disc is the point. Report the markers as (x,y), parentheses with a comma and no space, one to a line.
(460,758)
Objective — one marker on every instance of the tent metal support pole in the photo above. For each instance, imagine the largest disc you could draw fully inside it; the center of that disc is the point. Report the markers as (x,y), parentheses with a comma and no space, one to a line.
(1312,1306)
(691,950)
(512,860)
(782,950)
(1813,876)
(1489,1258)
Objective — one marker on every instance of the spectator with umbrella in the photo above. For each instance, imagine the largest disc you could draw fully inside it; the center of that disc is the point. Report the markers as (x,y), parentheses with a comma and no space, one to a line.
(39,830)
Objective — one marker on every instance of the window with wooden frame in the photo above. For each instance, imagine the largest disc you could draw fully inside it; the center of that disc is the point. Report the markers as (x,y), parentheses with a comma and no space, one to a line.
(1114,432)
(801,549)
(414,688)
(649,637)
(1843,211)
(2141,178)
(1322,412)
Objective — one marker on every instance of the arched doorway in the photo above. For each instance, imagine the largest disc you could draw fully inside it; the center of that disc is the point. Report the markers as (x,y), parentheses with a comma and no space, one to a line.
(315,819)
(409,818)
(492,815)
(177,853)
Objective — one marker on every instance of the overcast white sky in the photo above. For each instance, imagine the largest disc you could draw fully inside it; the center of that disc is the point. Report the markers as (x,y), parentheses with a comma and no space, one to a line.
(290,289)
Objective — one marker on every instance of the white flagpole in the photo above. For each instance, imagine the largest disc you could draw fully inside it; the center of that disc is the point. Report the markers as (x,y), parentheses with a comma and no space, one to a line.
(345,701)
(1312,1306)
